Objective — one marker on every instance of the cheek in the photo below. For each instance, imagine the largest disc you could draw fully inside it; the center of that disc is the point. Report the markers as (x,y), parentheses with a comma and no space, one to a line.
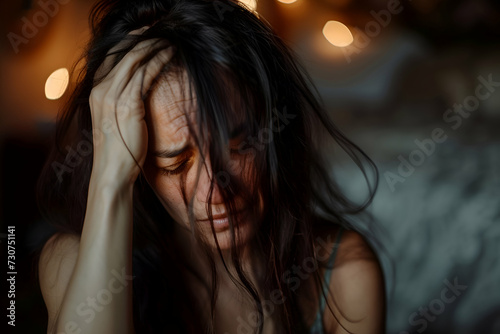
(243,167)
(235,166)
(169,191)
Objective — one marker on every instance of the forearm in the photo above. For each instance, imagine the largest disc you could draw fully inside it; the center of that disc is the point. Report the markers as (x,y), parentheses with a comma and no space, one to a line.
(98,298)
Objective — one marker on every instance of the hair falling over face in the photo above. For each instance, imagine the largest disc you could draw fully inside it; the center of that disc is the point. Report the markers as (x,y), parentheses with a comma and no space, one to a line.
(253,103)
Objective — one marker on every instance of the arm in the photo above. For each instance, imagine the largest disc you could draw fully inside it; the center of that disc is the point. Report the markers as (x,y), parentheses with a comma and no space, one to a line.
(86,283)
(358,289)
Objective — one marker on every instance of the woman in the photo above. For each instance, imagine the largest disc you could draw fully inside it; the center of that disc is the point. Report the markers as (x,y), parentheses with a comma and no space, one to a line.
(188,189)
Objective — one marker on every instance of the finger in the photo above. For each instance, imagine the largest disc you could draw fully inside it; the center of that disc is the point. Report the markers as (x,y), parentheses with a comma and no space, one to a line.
(132,59)
(142,80)
(153,68)
(139,31)
(120,75)
(110,56)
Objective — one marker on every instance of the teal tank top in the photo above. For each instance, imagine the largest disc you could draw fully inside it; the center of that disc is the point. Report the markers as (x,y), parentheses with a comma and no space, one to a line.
(317,326)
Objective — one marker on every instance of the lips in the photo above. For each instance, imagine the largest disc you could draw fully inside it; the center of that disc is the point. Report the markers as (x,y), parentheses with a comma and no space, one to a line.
(218,216)
(221,221)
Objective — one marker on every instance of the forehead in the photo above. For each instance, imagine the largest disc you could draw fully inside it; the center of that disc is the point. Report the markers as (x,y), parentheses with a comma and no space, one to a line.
(169,105)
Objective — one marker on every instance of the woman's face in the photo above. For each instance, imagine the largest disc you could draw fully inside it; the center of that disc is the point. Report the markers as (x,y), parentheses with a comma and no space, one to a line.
(174,160)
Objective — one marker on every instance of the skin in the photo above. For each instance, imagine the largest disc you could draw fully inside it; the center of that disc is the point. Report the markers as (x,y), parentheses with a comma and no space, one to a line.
(168,109)
(107,230)
(359,304)
(71,269)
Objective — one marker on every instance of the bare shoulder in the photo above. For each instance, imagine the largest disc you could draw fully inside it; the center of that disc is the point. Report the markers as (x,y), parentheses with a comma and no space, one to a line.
(56,264)
(357,288)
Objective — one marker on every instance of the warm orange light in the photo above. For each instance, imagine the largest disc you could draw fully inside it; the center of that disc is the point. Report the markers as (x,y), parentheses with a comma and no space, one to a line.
(250,4)
(287,1)
(56,84)
(337,33)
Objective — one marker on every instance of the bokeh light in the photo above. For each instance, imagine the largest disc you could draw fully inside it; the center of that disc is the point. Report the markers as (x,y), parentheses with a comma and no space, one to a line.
(250,4)
(337,34)
(56,84)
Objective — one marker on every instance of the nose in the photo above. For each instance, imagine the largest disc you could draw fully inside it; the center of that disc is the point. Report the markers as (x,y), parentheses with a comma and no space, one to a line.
(203,188)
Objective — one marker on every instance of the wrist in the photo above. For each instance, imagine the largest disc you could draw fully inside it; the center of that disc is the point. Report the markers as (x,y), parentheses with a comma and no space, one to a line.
(117,176)
(111,182)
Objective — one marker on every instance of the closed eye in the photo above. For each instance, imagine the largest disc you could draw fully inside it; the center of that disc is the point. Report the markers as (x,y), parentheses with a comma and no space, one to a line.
(178,169)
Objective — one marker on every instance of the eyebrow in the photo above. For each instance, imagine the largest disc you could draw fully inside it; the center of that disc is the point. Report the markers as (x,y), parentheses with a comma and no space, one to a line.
(168,153)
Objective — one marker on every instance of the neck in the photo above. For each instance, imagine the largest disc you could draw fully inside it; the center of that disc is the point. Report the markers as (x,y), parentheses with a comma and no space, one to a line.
(194,255)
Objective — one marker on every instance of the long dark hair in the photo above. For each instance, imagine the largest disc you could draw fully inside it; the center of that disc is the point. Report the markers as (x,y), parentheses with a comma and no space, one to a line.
(233,60)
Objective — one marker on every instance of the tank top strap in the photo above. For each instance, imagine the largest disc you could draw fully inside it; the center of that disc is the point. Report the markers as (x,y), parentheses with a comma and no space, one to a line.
(331,260)
(317,327)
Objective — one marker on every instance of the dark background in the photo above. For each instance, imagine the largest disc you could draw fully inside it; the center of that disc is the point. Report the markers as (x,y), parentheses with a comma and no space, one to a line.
(441,224)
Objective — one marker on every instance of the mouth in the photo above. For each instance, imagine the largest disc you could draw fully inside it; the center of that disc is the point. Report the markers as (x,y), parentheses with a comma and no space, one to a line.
(221,221)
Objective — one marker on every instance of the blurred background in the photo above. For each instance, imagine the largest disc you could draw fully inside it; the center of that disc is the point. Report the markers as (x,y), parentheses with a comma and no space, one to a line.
(415,83)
